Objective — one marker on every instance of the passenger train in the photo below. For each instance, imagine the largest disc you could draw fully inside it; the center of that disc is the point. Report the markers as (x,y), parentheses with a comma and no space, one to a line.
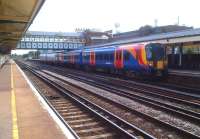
(134,59)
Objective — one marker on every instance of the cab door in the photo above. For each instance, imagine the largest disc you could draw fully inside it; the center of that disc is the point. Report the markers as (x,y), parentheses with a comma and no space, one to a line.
(118,59)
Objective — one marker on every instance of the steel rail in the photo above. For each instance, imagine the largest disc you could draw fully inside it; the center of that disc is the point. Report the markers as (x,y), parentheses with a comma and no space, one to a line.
(119,123)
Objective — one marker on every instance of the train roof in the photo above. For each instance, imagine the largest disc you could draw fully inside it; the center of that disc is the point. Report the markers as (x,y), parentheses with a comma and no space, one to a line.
(101,48)
(114,44)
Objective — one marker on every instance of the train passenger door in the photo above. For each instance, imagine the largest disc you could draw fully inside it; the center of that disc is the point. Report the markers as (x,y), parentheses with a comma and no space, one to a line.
(92,58)
(118,59)
(72,58)
(61,57)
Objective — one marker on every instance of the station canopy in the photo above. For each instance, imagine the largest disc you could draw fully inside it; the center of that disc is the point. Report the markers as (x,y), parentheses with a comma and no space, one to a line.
(15,18)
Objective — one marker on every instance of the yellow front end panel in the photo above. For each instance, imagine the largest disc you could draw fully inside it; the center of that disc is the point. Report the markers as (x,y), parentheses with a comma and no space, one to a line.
(160,65)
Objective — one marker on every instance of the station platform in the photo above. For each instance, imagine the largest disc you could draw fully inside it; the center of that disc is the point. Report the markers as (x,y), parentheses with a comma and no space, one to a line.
(189,73)
(22,116)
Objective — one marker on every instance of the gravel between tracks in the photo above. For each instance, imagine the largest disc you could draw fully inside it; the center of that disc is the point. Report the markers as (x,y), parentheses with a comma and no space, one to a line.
(160,133)
(137,106)
(49,92)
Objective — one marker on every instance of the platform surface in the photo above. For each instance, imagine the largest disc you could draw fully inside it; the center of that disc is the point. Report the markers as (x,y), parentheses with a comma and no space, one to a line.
(33,121)
(185,72)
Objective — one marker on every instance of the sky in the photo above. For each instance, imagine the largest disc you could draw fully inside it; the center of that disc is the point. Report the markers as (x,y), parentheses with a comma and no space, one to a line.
(67,15)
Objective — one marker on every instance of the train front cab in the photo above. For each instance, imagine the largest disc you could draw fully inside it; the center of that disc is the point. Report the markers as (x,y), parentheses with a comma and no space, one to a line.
(157,59)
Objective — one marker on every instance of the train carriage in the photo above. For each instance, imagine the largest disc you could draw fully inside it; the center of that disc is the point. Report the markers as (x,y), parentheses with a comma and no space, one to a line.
(73,58)
(137,58)
(102,57)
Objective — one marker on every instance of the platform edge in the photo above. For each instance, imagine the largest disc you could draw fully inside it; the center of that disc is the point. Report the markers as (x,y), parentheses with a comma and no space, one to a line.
(43,103)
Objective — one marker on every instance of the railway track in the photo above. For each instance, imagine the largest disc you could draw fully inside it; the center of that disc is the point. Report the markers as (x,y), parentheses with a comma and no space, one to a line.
(143,99)
(185,116)
(184,90)
(85,118)
(155,91)
(188,116)
(175,82)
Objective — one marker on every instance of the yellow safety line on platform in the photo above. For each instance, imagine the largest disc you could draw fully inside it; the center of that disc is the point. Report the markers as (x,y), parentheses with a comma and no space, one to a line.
(15,134)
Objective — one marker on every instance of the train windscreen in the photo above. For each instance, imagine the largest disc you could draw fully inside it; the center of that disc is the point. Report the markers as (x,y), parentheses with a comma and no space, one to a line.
(155,52)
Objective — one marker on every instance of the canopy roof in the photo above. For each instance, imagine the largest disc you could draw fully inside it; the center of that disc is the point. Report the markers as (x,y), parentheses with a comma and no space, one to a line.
(15,18)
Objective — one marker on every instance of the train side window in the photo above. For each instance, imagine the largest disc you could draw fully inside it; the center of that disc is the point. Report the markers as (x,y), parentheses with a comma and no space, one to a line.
(111,57)
(96,56)
(100,56)
(106,57)
(85,57)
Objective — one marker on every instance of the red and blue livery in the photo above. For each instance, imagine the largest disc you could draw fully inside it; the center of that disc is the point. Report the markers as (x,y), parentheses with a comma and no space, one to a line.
(130,59)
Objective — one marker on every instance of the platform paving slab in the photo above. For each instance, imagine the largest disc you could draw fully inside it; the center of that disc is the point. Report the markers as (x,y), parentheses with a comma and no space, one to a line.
(5,103)
(33,120)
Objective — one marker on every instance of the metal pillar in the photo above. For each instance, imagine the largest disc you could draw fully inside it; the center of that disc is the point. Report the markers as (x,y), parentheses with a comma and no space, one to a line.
(173,57)
(180,54)
(1,61)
